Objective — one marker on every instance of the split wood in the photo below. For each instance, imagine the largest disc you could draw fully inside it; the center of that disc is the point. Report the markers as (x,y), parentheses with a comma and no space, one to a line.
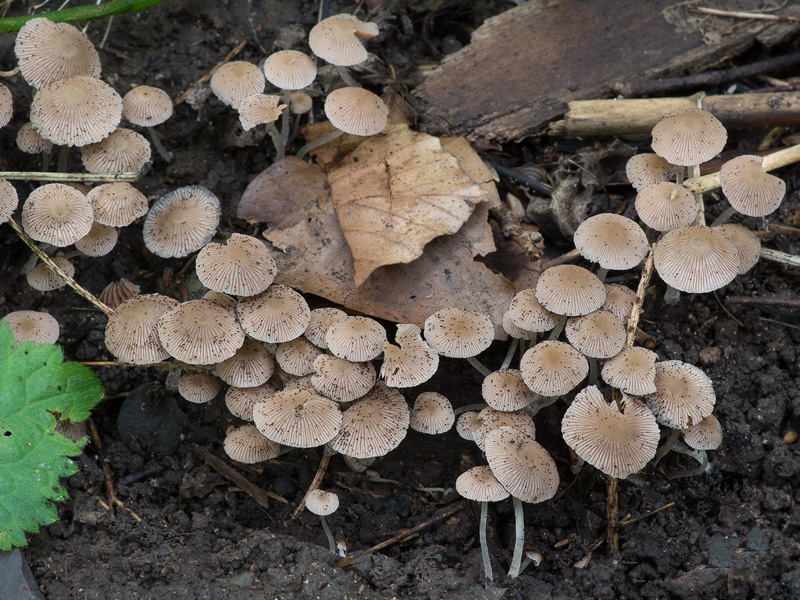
(239,47)
(639,116)
(108,481)
(323,466)
(79,289)
(261,496)
(400,537)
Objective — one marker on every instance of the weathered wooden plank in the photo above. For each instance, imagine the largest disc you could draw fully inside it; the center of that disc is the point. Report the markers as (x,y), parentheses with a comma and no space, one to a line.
(523,66)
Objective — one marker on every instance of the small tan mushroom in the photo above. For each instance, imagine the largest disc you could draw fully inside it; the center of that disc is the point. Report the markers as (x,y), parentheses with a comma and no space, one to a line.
(570,290)
(506,391)
(198,387)
(181,222)
(553,368)
(236,80)
(260,109)
(246,445)
(117,292)
(240,401)
(696,259)
(459,332)
(632,371)
(242,267)
(705,435)
(611,240)
(527,313)
(56,214)
(357,339)
(411,364)
(521,465)
(619,301)
(298,418)
(319,322)
(33,326)
(684,394)
(31,142)
(513,330)
(342,380)
(297,356)
(251,366)
(132,331)
(100,240)
(432,414)
(356,111)
(617,442)
(44,279)
(300,103)
(747,245)
(689,137)
(336,39)
(117,204)
(597,335)
(8,200)
(646,169)
(290,70)
(200,332)
(146,106)
(467,423)
(491,419)
(749,188)
(277,315)
(121,152)
(666,206)
(323,503)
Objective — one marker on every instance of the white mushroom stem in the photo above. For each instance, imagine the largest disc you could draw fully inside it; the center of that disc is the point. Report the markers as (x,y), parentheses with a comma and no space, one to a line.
(331,542)
(723,218)
(519,539)
(671,439)
(318,142)
(601,273)
(694,171)
(287,100)
(160,148)
(558,328)
(531,557)
(780,257)
(482,369)
(699,455)
(280,149)
(346,77)
(487,563)
(512,348)
(469,407)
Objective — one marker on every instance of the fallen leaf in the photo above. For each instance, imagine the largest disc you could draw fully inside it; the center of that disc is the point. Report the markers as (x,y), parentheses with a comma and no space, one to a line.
(292,197)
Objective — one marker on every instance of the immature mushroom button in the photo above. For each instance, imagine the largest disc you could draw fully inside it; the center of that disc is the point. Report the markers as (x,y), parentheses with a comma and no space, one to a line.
(300,103)
(666,206)
(646,169)
(122,151)
(290,70)
(696,260)
(100,240)
(631,371)
(44,279)
(553,368)
(505,390)
(33,326)
(56,214)
(616,442)
(749,188)
(357,339)
(491,419)
(611,240)
(242,267)
(200,332)
(277,315)
(117,292)
(747,244)
(181,222)
(298,418)
(570,290)
(198,387)
(705,435)
(132,331)
(432,414)
(521,465)
(597,335)
(459,332)
(251,366)
(684,394)
(340,379)
(336,40)
(48,51)
(240,401)
(296,356)
(411,364)
(235,81)
(689,137)
(117,204)
(246,445)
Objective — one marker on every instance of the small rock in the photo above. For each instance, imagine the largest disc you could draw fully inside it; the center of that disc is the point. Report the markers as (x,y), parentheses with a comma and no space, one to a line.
(758,539)
(700,582)
(721,549)
(710,356)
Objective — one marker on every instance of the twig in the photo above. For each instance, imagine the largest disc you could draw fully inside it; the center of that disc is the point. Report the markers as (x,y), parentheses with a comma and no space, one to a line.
(780,257)
(740,14)
(509,223)
(538,186)
(82,291)
(323,466)
(108,481)
(239,47)
(80,13)
(633,89)
(628,522)
(220,466)
(10,73)
(761,301)
(404,535)
(636,309)
(567,257)
(64,177)
(612,510)
(727,312)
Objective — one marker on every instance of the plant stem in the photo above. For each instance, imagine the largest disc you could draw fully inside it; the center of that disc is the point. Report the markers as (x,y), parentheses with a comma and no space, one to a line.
(64,177)
(636,309)
(79,289)
(331,542)
(601,273)
(487,563)
(80,13)
(519,540)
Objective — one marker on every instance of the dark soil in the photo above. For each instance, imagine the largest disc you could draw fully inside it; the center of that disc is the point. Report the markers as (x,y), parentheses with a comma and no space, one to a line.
(732,532)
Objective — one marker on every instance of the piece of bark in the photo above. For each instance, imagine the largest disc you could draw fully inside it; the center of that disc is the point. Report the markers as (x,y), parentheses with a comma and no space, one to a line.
(638,116)
(524,65)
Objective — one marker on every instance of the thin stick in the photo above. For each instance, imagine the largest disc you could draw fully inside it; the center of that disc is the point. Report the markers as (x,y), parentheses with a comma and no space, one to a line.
(402,536)
(567,257)
(10,73)
(628,522)
(66,177)
(220,466)
(509,223)
(636,309)
(239,47)
(780,257)
(760,301)
(81,13)
(323,466)
(82,291)
(108,481)
(740,14)
(612,511)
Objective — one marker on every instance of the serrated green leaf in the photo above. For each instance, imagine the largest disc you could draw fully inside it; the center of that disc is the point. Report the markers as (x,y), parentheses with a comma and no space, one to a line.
(35,385)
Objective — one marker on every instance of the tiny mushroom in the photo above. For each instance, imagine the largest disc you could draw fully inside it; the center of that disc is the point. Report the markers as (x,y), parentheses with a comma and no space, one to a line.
(146,106)
(631,371)
(553,368)
(646,169)
(491,419)
(44,279)
(181,222)
(260,108)
(251,366)
(198,387)
(337,39)
(747,244)
(297,356)
(242,267)
(570,290)
(290,70)
(132,330)
(323,504)
(612,241)
(458,332)
(276,315)
(705,435)
(57,214)
(749,188)
(319,322)
(619,301)
(8,200)
(357,339)
(468,423)
(100,240)
(246,445)
(122,151)
(689,137)
(117,292)
(31,142)
(240,401)
(298,418)
(696,259)
(506,391)
(684,394)
(33,326)
(412,363)
(236,80)
(597,335)
(666,206)
(527,313)
(117,204)
(432,414)
(340,379)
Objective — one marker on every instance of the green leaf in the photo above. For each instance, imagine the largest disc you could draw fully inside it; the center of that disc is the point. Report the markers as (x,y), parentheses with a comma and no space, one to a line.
(35,386)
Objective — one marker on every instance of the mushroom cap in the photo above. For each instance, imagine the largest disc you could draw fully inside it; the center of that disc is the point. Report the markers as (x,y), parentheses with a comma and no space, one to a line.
(76,111)
(432,414)
(6,105)
(73,431)
(251,366)
(300,103)
(749,188)
(146,106)
(570,290)
(684,394)
(357,339)
(491,419)
(100,240)
(30,141)
(480,484)
(632,371)
(246,445)
(236,80)
(322,503)
(43,278)
(132,331)
(747,244)
(521,465)
(527,313)
(340,379)
(296,356)
(458,332)
(619,301)
(553,368)
(689,137)
(612,241)
(57,214)
(290,70)
(117,292)
(696,260)
(598,335)
(373,425)
(198,387)
(33,326)
(242,267)
(260,108)
(356,111)
(181,222)
(298,418)
(321,319)
(240,401)
(705,435)
(616,442)
(512,330)
(117,204)
(8,200)
(666,206)
(122,151)
(221,298)
(200,332)
(506,391)
(48,51)
(646,169)
(336,40)
(277,315)
(412,363)
(467,423)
